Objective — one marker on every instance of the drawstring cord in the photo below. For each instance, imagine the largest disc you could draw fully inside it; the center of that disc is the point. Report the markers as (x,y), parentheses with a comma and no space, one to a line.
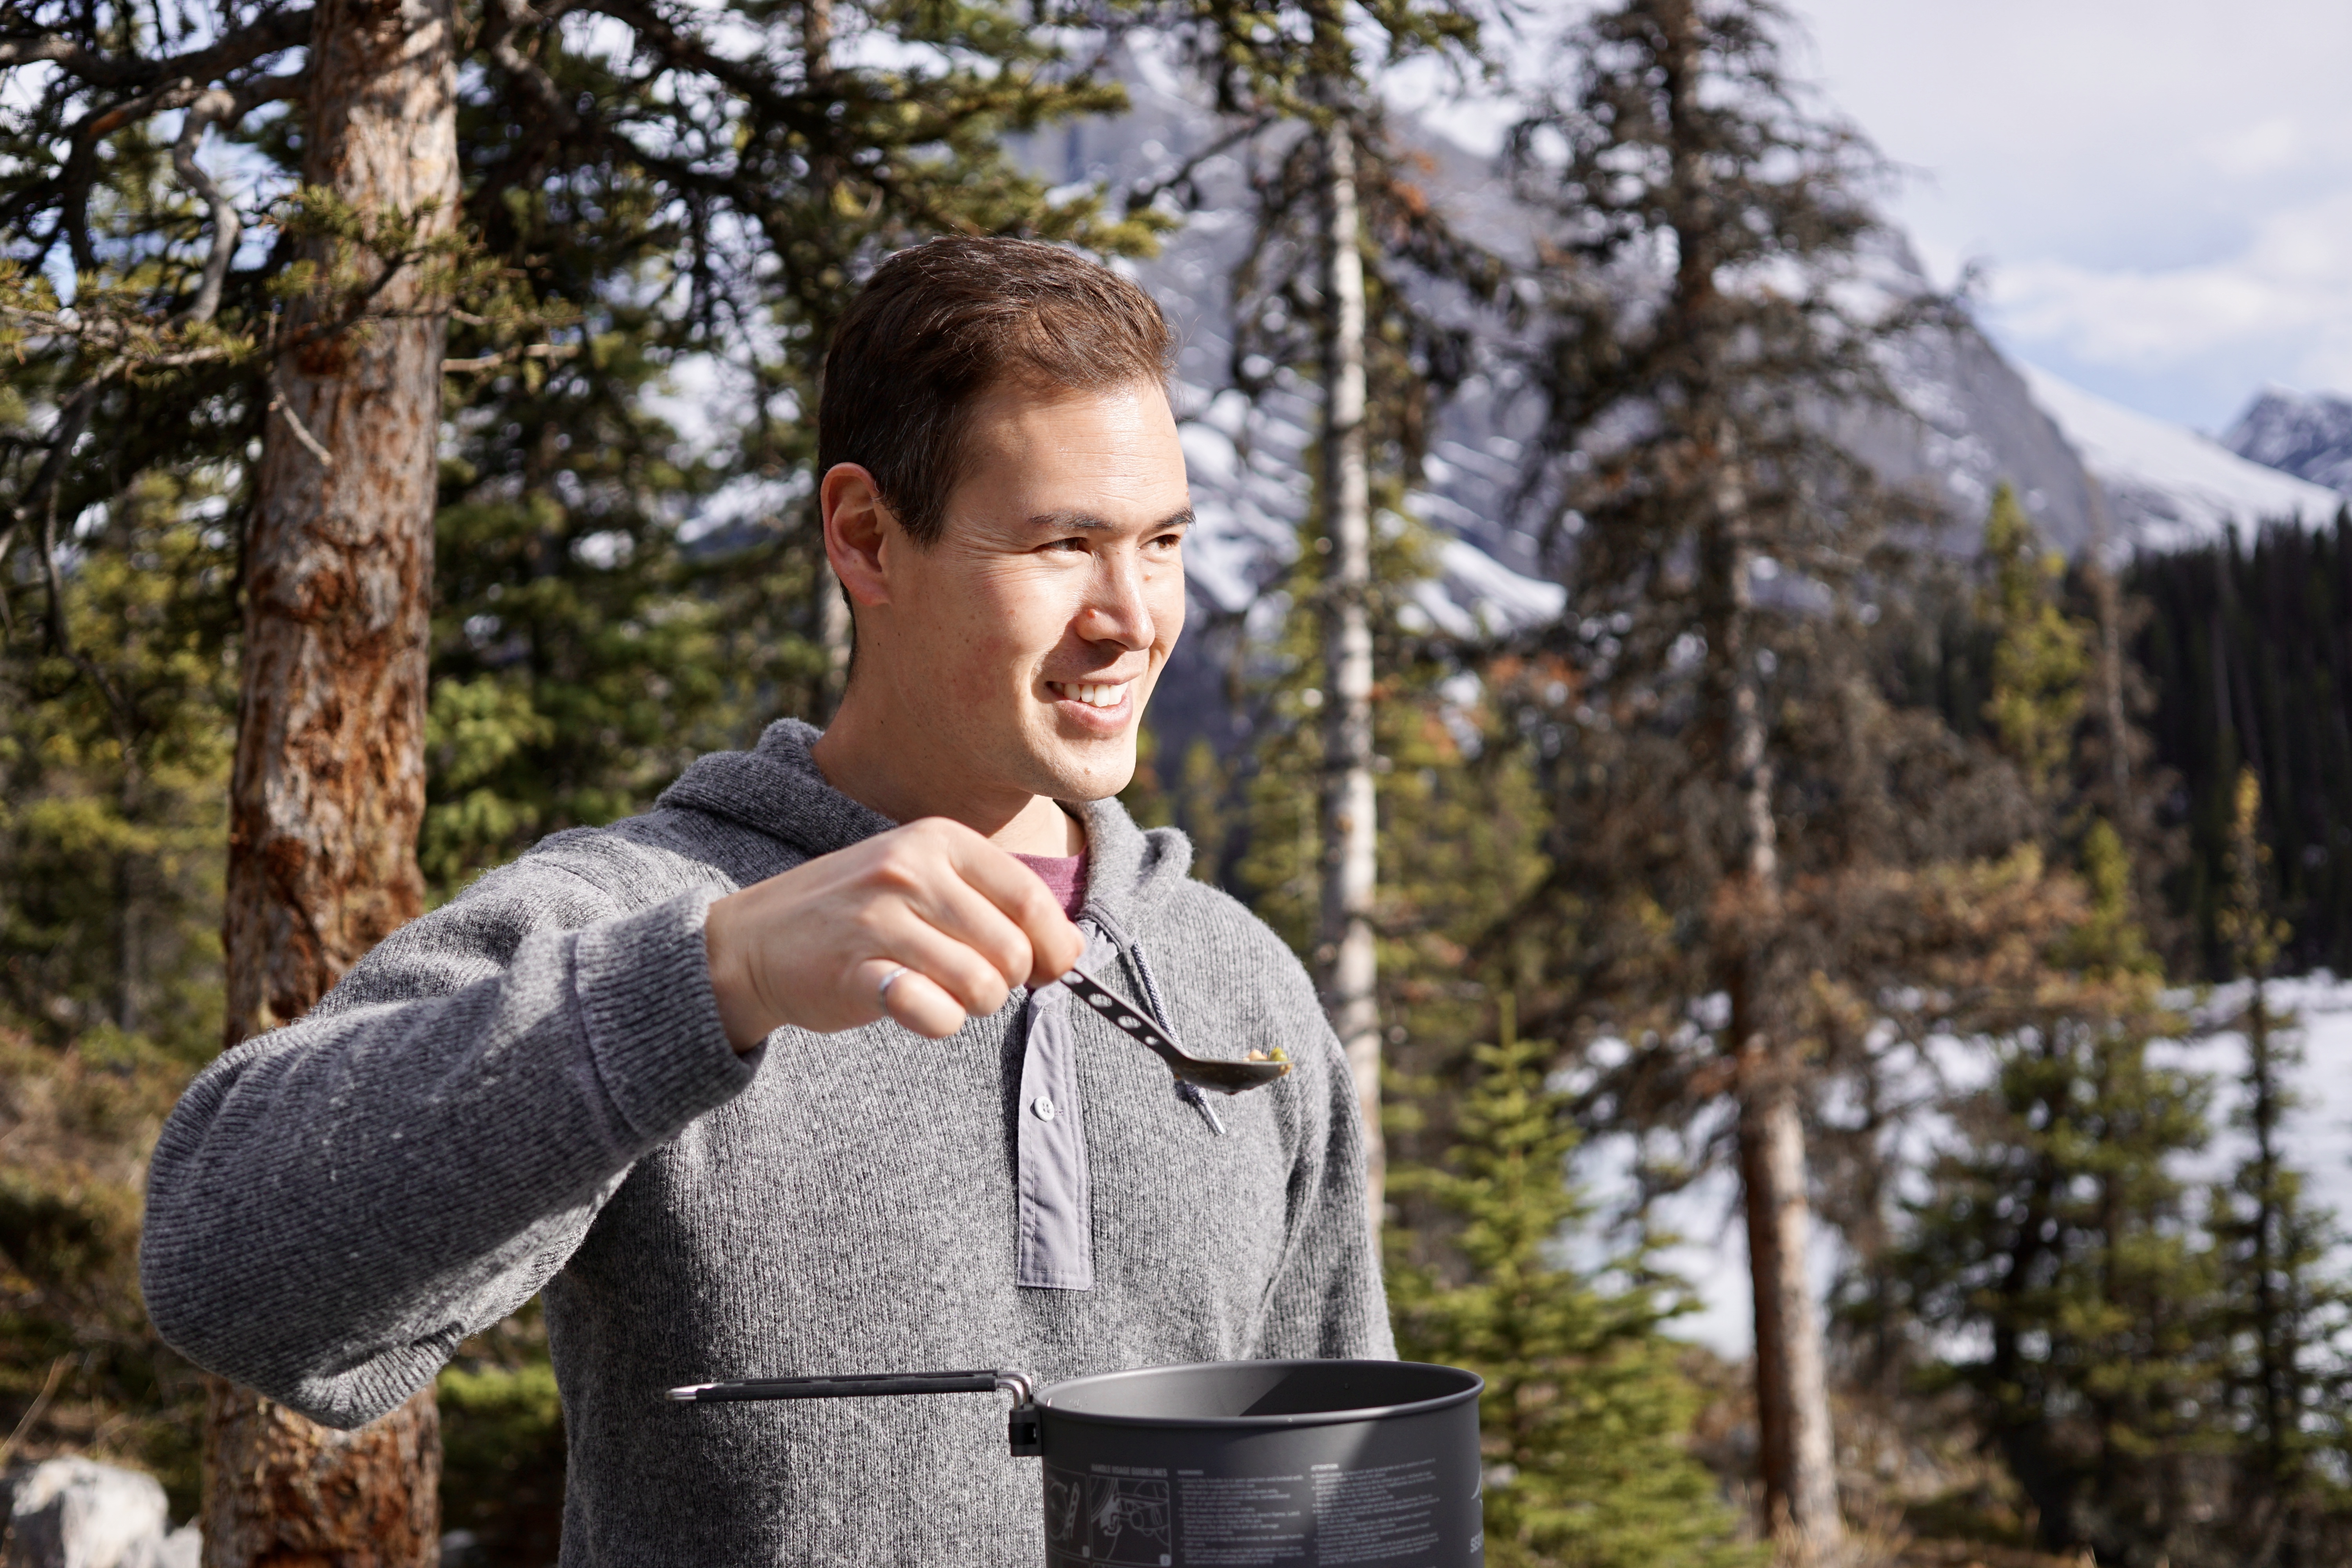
(1190,1092)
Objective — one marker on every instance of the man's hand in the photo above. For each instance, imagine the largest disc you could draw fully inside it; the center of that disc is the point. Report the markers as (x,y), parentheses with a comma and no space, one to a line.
(812,947)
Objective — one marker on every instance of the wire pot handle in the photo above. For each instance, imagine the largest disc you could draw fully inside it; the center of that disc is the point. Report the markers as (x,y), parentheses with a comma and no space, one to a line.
(854,1387)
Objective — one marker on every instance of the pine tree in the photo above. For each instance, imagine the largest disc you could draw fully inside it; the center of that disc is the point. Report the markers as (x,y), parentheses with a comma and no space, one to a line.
(1292,80)
(531,181)
(115,759)
(1689,333)
(2283,1313)
(2040,658)
(2243,646)
(114,750)
(2061,1237)
(2060,1232)
(1584,1414)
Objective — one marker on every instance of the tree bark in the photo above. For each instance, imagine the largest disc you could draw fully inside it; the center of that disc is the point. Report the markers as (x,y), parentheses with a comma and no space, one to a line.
(1344,949)
(329,786)
(1796,1449)
(283,1492)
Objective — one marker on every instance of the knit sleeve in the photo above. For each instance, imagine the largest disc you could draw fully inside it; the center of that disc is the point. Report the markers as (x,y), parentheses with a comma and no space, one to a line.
(335,1205)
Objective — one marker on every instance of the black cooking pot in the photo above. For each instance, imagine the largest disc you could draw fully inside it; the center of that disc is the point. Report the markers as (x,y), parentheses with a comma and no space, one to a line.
(1372,1464)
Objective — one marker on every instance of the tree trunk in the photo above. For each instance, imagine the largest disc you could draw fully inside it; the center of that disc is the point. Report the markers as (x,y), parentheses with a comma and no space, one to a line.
(282,1492)
(1344,951)
(836,632)
(1796,1450)
(2273,1242)
(329,788)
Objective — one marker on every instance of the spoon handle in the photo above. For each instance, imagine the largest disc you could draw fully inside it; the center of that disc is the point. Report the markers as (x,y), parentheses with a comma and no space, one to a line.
(1127,1016)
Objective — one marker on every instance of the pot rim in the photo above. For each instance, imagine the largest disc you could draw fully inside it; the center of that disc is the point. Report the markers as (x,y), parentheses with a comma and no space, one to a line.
(1478,1386)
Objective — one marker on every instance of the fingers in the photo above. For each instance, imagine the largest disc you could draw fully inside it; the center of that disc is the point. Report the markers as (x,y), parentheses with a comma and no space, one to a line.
(914,1001)
(976,982)
(1053,940)
(810,946)
(961,912)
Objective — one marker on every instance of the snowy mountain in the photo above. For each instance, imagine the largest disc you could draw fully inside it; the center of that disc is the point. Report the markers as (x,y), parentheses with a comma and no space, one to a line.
(1970,421)
(2309,435)
(2166,486)
(1968,424)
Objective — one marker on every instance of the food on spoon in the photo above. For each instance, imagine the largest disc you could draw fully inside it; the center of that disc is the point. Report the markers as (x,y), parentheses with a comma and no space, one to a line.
(1276,1055)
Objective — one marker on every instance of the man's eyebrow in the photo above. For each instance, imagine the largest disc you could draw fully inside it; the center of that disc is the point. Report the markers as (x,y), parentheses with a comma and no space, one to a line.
(1086,519)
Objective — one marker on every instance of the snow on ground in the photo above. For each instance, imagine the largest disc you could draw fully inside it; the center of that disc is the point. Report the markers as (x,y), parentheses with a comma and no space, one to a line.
(2167,487)
(1712,1255)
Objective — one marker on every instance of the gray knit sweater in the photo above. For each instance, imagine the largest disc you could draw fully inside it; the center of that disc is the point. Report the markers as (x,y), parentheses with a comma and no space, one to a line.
(529,1090)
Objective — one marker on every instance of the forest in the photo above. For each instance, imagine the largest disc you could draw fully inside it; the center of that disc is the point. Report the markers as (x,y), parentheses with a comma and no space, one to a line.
(1873,856)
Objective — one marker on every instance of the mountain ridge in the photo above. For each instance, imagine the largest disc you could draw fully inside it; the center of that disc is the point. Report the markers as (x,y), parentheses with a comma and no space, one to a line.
(1971,418)
(2306,434)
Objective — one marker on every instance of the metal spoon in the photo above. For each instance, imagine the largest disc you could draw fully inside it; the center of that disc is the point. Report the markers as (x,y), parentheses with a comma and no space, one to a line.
(1225,1078)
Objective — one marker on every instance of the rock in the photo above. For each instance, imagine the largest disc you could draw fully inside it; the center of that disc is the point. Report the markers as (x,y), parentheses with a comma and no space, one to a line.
(77,1513)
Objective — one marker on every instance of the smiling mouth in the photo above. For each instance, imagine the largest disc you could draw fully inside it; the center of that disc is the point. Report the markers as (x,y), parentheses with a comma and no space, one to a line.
(1093,693)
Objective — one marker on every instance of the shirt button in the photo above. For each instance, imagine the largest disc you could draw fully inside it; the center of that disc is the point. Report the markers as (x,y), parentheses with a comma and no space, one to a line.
(1044,1106)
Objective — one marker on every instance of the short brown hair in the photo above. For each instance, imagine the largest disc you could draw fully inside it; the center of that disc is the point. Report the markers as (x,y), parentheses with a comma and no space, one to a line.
(939,324)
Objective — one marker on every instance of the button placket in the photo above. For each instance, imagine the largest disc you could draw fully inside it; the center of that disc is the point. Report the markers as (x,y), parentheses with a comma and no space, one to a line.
(1055,1230)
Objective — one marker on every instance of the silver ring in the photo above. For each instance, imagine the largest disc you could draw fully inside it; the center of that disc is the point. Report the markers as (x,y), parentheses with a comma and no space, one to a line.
(882,992)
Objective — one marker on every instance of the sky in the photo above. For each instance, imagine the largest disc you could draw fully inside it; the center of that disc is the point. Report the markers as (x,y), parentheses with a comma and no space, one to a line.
(2159,191)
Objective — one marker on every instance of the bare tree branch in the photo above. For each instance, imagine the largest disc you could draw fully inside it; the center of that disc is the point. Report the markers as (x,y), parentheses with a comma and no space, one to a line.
(266,36)
(217,103)
(222,107)
(81,61)
(508,356)
(71,422)
(284,410)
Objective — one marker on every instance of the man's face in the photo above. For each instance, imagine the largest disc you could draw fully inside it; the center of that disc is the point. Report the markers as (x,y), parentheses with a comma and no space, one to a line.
(1031,632)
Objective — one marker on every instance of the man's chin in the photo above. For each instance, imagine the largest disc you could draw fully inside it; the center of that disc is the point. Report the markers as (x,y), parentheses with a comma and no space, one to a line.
(1074,773)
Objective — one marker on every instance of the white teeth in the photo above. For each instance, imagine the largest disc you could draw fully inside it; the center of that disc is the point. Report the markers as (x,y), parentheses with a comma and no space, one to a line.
(1091,693)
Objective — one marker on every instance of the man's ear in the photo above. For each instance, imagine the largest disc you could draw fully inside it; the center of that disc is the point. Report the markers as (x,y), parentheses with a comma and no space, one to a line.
(856,527)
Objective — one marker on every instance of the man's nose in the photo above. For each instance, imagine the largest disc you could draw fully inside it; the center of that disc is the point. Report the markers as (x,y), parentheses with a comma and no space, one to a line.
(1117,609)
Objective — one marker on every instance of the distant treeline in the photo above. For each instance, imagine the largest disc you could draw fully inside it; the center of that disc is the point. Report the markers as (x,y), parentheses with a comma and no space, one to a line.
(2248,650)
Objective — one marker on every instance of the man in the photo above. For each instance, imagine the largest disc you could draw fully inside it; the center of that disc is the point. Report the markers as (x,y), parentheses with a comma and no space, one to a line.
(763,1083)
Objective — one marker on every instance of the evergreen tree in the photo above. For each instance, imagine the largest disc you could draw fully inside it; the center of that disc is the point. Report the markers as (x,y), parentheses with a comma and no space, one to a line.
(2059,1233)
(2248,647)
(114,758)
(1584,1414)
(1689,333)
(2283,1317)
(2060,1237)
(1293,79)
(114,748)
(2041,656)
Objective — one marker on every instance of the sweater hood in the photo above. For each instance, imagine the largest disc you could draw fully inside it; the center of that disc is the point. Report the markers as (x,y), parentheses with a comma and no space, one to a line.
(777,789)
